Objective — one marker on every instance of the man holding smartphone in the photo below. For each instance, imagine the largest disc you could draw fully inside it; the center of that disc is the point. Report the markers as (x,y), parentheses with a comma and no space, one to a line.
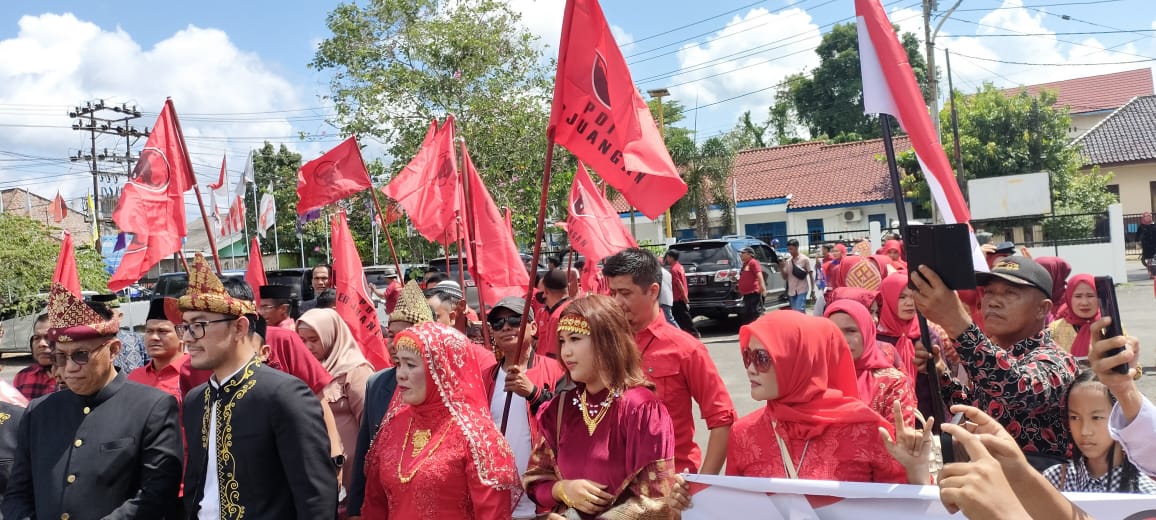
(1019,376)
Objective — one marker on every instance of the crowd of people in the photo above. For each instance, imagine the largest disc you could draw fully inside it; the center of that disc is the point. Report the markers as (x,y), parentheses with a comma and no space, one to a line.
(250,404)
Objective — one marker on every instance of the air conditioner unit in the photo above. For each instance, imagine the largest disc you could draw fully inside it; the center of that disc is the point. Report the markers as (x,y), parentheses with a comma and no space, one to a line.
(852,215)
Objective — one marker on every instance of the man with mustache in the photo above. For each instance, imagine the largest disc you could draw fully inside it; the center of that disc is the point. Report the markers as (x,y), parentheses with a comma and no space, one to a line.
(1018,374)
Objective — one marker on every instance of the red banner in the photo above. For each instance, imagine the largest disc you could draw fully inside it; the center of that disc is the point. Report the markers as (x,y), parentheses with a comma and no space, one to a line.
(595,229)
(601,118)
(255,270)
(428,187)
(337,174)
(496,266)
(152,203)
(66,273)
(353,302)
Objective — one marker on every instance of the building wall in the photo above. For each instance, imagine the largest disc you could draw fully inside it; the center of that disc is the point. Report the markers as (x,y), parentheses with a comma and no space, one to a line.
(1083,122)
(1135,188)
(17,202)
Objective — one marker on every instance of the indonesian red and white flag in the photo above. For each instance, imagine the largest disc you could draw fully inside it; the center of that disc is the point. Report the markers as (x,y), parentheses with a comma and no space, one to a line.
(218,196)
(889,87)
(601,118)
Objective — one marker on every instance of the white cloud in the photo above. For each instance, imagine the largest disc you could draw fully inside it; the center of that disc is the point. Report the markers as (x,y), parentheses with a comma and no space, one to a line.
(752,52)
(56,62)
(543,18)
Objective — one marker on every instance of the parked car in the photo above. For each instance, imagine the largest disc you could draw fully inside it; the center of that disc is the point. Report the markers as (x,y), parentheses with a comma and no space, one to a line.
(300,279)
(712,274)
(471,289)
(173,285)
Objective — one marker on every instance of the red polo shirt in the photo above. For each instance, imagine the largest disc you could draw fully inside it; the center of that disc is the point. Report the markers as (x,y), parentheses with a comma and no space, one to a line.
(678,283)
(681,369)
(749,277)
(168,379)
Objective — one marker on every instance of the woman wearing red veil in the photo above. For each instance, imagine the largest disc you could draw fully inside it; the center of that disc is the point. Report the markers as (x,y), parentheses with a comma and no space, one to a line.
(899,326)
(814,426)
(607,448)
(880,383)
(438,453)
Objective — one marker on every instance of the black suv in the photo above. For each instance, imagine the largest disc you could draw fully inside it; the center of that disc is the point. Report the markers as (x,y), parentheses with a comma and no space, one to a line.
(712,274)
(173,285)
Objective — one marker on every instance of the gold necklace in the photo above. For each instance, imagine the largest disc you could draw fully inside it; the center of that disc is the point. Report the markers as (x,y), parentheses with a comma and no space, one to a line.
(421,437)
(590,417)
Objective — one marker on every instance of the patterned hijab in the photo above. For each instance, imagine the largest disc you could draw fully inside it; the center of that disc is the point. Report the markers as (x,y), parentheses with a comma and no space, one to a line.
(453,378)
(817,384)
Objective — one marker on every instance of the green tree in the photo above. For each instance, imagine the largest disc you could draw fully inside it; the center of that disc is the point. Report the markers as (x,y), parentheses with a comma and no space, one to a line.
(1001,134)
(396,64)
(28,250)
(829,103)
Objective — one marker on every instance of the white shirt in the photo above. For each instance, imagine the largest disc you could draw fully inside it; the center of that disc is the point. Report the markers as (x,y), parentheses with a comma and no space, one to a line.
(1136,437)
(665,290)
(211,500)
(517,434)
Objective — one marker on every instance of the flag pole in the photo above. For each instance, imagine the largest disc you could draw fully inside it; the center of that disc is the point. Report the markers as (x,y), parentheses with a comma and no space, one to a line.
(538,234)
(938,409)
(385,229)
(196,188)
(184,261)
(471,223)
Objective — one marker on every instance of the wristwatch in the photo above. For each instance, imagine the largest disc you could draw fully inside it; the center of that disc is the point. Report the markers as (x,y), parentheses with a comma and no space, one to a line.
(338,460)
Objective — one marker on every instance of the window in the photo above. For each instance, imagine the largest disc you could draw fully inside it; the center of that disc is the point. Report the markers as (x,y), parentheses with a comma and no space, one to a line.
(881,218)
(768,231)
(1114,189)
(815,230)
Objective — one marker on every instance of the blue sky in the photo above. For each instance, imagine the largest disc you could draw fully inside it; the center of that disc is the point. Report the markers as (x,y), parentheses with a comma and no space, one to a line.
(237,70)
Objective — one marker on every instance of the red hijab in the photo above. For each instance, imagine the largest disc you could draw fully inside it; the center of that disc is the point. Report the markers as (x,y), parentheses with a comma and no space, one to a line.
(865,297)
(872,358)
(907,332)
(453,378)
(1059,269)
(833,272)
(1083,341)
(817,385)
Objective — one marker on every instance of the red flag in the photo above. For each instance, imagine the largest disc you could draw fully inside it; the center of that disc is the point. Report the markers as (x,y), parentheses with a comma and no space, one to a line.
(337,174)
(393,212)
(595,229)
(497,263)
(353,303)
(59,209)
(889,87)
(152,203)
(428,187)
(601,118)
(255,271)
(66,273)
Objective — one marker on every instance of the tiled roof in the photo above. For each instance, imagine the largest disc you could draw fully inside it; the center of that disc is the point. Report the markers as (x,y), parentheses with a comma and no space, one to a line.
(1127,135)
(1095,93)
(814,174)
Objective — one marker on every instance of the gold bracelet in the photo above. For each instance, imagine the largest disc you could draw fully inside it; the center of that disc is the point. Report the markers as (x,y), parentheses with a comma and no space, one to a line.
(562,495)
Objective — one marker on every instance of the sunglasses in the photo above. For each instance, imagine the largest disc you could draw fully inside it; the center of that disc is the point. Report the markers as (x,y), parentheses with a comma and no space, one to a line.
(498,323)
(80,357)
(761,358)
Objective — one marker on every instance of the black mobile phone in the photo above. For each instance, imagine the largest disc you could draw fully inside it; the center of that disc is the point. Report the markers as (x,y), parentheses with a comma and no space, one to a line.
(946,249)
(947,442)
(1106,292)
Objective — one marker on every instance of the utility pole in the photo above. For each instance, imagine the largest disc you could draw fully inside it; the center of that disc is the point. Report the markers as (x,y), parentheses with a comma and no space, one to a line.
(91,118)
(929,40)
(658,94)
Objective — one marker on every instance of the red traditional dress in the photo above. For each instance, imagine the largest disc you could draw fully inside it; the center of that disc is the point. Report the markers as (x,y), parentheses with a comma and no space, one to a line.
(880,383)
(630,451)
(443,458)
(825,430)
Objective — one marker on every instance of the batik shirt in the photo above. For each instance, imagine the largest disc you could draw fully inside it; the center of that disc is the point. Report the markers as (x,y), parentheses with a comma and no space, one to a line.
(1024,387)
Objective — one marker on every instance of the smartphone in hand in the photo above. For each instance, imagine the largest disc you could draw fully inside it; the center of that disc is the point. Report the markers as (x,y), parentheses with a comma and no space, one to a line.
(946,249)
(1109,308)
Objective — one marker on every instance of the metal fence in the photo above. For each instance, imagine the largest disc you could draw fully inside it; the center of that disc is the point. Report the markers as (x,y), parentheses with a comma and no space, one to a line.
(1049,230)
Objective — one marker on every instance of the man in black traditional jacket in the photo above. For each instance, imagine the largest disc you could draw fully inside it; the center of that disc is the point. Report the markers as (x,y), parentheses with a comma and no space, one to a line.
(258,447)
(104,448)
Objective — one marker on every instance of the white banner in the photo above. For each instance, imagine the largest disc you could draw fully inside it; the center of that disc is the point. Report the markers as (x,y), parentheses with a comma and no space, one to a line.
(782,499)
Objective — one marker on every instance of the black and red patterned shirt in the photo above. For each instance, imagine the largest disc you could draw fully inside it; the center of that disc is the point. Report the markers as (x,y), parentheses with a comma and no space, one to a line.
(34,381)
(1023,387)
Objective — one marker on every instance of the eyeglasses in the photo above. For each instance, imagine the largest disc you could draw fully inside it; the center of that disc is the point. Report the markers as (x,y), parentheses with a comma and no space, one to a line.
(498,323)
(80,357)
(196,329)
(761,358)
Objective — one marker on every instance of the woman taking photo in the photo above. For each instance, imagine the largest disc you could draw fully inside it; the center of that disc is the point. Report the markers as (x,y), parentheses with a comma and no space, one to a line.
(617,441)
(438,453)
(1081,307)
(331,342)
(814,426)
(880,383)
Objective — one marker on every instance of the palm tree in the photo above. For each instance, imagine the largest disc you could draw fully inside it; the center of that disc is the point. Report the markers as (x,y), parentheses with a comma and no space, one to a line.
(705,168)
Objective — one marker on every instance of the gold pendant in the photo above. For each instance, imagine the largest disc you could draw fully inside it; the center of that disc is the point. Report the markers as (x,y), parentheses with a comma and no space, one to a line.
(420,439)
